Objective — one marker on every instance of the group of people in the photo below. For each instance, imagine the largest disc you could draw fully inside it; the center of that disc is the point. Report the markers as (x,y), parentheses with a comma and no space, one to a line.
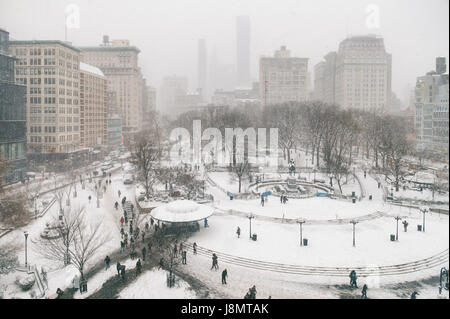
(283,199)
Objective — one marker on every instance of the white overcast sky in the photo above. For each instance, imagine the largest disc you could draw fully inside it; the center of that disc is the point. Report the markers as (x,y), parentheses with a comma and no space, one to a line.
(166,31)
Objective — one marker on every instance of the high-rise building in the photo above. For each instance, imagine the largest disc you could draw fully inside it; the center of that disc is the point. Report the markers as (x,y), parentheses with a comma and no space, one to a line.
(357,76)
(93,107)
(431,110)
(202,74)
(324,79)
(363,74)
(243,51)
(50,71)
(283,78)
(173,89)
(118,61)
(12,116)
(441,65)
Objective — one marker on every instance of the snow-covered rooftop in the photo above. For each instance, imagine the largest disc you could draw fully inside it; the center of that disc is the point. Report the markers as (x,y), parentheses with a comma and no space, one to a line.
(91,69)
(181,211)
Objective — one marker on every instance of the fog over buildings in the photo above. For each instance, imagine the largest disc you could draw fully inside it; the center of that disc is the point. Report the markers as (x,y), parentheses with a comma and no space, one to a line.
(168,32)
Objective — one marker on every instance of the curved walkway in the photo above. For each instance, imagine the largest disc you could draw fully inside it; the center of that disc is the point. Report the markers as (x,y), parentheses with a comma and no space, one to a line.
(439,259)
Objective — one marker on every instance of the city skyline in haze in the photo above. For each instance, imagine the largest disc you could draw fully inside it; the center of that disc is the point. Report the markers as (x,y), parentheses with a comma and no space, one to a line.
(167,32)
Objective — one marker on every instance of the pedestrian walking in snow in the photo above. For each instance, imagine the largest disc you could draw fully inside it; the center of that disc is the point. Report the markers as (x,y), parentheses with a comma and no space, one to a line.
(364,292)
(118,267)
(89,198)
(122,246)
(122,272)
(175,250)
(215,264)
(206,222)
(181,247)
(126,220)
(238,232)
(125,241)
(107,261)
(118,192)
(405,225)
(152,221)
(183,257)
(124,199)
(353,279)
(224,277)
(138,267)
(262,201)
(144,252)
(414,295)
(147,227)
(194,247)
(143,237)
(116,205)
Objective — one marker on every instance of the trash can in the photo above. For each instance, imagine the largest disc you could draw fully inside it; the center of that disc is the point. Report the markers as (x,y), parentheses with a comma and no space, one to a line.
(370,197)
(305,242)
(353,200)
(254,237)
(419,227)
(392,237)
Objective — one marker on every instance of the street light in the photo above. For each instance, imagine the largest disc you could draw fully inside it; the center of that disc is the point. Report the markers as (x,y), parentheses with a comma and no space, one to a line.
(25,233)
(424,210)
(301,222)
(397,219)
(250,217)
(354,222)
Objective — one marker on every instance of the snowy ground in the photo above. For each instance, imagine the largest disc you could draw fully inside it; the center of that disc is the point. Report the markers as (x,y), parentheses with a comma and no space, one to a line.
(327,229)
(152,285)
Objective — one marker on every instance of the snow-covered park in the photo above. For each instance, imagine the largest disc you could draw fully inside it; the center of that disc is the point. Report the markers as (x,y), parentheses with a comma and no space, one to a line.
(276,261)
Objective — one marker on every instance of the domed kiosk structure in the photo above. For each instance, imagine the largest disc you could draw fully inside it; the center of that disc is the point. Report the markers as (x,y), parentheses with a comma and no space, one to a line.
(181,214)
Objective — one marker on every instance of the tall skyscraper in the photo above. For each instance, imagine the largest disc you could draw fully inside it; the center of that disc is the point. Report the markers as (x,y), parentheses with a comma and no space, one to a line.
(283,78)
(51,72)
(12,116)
(93,107)
(118,60)
(243,51)
(431,109)
(357,76)
(202,66)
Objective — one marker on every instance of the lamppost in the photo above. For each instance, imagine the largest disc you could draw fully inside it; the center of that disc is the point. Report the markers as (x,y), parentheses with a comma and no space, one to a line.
(424,210)
(250,217)
(354,222)
(25,233)
(396,234)
(301,222)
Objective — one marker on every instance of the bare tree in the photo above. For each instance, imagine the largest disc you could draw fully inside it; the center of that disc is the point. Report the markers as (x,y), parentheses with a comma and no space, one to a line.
(146,156)
(395,146)
(78,241)
(67,224)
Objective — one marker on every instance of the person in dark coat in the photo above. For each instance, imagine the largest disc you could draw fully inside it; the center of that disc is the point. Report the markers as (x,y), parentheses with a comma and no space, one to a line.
(414,295)
(194,247)
(144,252)
(238,232)
(224,277)
(405,225)
(364,292)
(215,263)
(122,246)
(122,272)
(116,205)
(118,267)
(353,279)
(107,261)
(138,267)
(175,250)
(183,257)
